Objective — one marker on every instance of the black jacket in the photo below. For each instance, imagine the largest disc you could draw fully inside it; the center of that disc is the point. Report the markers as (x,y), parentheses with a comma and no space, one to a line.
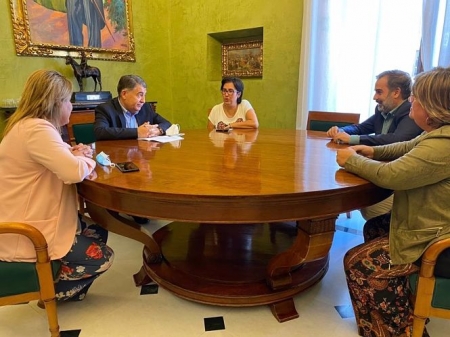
(402,128)
(110,122)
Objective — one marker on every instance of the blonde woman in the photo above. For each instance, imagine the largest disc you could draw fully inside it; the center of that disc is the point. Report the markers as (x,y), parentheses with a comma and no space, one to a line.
(38,172)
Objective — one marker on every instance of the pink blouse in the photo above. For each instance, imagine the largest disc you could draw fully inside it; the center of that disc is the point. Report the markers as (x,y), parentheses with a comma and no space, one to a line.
(38,173)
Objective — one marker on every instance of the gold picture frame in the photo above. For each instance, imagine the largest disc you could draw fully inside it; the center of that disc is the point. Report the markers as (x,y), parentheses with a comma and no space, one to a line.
(48,28)
(242,59)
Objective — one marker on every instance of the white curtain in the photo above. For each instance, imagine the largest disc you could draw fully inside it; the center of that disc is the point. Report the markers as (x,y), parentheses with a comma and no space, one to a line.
(346,43)
(435,45)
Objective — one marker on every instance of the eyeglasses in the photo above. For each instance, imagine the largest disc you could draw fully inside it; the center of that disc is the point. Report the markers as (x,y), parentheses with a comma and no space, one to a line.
(228,91)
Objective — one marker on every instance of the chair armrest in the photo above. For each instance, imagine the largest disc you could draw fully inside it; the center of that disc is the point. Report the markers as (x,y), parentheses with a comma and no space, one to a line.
(430,256)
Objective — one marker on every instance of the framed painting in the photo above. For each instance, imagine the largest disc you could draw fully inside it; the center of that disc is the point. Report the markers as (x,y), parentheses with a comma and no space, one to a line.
(242,59)
(57,28)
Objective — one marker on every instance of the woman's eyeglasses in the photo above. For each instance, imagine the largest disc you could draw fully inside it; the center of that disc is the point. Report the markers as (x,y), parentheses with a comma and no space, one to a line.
(228,91)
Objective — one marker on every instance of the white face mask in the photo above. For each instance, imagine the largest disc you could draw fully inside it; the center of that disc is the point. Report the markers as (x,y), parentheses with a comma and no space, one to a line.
(173,130)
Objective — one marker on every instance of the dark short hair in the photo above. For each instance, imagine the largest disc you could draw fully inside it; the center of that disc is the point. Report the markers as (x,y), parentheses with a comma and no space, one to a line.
(130,82)
(238,85)
(398,79)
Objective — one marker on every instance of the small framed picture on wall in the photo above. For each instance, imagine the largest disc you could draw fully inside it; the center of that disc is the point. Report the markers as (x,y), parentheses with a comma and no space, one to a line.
(242,59)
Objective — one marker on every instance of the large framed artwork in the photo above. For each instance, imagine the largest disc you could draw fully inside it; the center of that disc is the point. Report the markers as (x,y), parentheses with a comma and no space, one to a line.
(242,59)
(102,29)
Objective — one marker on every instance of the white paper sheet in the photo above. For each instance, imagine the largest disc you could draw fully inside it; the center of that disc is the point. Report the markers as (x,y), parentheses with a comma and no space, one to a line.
(163,139)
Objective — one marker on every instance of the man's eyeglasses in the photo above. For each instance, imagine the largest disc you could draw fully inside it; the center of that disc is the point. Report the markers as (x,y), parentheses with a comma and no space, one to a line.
(228,91)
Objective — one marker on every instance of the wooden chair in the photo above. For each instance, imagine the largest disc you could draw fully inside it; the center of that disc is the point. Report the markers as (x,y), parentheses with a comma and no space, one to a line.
(83,133)
(26,281)
(324,120)
(432,297)
(79,117)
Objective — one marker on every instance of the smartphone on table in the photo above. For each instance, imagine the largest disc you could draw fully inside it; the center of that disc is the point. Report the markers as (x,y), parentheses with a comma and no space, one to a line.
(127,166)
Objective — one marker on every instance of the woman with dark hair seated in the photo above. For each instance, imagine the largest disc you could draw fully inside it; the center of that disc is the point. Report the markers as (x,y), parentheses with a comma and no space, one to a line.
(234,112)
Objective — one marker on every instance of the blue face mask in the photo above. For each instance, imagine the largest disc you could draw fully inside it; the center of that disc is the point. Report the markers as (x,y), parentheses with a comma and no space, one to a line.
(103,159)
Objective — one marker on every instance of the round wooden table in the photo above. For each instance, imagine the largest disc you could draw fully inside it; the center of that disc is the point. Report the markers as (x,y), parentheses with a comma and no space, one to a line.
(254,212)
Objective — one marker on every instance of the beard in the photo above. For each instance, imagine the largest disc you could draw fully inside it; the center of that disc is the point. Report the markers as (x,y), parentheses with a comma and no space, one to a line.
(387,105)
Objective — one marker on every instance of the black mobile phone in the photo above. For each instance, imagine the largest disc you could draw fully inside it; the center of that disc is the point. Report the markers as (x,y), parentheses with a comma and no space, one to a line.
(126,167)
(224,130)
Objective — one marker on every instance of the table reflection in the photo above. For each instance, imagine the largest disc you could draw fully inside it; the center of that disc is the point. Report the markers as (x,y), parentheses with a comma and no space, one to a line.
(238,153)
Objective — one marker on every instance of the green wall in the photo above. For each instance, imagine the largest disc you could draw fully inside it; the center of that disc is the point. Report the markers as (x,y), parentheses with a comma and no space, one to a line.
(172,56)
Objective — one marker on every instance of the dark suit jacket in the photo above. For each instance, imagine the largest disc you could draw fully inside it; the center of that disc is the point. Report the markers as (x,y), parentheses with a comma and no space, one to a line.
(402,128)
(110,122)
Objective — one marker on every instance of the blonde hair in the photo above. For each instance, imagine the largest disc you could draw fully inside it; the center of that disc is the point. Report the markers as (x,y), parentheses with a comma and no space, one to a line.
(42,97)
(432,90)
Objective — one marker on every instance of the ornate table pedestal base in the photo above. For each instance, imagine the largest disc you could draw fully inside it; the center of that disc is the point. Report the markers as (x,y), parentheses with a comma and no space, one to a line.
(230,265)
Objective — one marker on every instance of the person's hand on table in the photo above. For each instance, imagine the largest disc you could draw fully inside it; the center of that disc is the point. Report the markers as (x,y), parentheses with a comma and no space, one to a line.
(342,155)
(148,130)
(144,130)
(221,126)
(333,131)
(82,150)
(341,138)
(155,130)
(364,150)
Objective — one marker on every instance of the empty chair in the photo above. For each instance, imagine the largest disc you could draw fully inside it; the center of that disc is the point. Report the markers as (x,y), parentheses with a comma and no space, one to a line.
(84,133)
(323,120)
(26,281)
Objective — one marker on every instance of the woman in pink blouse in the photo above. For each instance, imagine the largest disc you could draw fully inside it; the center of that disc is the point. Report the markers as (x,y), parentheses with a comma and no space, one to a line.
(38,172)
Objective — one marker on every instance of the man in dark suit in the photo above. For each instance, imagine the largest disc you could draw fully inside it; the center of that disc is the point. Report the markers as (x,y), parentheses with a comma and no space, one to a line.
(391,122)
(128,116)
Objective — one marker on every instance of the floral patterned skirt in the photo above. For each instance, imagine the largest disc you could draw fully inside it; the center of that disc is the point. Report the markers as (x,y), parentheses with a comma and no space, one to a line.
(87,259)
(379,291)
